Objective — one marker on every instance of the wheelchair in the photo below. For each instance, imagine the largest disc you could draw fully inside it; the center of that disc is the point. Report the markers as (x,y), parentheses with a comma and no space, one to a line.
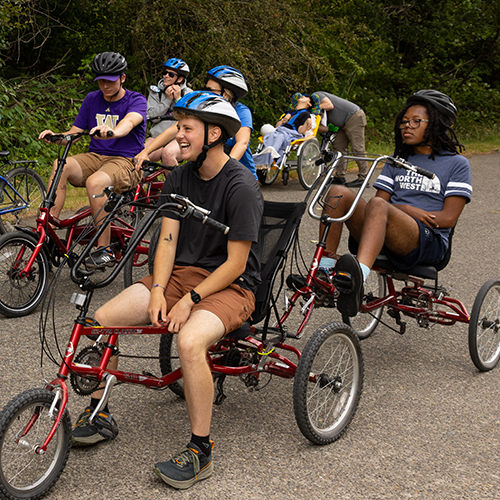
(307,150)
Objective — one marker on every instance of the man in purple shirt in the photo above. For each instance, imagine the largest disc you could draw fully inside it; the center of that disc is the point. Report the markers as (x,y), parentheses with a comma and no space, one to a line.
(109,159)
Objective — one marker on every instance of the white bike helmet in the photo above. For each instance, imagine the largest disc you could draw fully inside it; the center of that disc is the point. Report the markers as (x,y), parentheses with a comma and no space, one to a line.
(231,79)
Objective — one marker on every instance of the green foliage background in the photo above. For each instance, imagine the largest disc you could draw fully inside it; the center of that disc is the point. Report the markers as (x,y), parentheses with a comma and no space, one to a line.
(372,52)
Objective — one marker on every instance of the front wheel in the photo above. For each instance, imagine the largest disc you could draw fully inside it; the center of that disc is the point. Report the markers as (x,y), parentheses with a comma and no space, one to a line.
(267,176)
(328,383)
(484,327)
(307,169)
(20,293)
(20,198)
(365,323)
(25,423)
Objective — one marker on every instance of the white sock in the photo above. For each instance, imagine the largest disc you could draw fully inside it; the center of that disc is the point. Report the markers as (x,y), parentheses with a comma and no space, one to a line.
(366,271)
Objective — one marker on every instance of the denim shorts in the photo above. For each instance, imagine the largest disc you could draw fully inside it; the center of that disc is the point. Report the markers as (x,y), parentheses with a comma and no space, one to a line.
(431,250)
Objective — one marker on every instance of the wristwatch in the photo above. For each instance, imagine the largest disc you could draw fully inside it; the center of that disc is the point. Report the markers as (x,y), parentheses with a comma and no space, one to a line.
(195,297)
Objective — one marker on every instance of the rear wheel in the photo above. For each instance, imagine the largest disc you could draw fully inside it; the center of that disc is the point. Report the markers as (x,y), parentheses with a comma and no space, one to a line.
(21,293)
(24,425)
(267,176)
(26,197)
(328,383)
(484,327)
(307,169)
(365,323)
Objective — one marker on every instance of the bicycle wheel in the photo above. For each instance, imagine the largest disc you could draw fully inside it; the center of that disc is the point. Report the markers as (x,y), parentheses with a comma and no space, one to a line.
(268,175)
(24,426)
(328,383)
(365,323)
(29,193)
(169,361)
(137,266)
(20,295)
(307,169)
(484,327)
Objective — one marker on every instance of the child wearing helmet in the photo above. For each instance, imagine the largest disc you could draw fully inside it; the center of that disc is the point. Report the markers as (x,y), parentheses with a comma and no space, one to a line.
(203,282)
(295,123)
(410,217)
(108,161)
(161,100)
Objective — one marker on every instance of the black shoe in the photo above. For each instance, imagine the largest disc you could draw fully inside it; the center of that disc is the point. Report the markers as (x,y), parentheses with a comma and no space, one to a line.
(338,180)
(84,433)
(348,280)
(356,184)
(186,467)
(100,258)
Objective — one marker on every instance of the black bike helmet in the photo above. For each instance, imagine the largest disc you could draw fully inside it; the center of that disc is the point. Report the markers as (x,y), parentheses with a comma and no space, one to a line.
(178,65)
(231,79)
(440,101)
(109,64)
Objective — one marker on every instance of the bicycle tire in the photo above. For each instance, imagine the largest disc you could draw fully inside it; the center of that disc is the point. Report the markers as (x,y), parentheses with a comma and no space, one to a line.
(23,473)
(30,186)
(169,361)
(138,265)
(307,169)
(19,296)
(328,383)
(484,327)
(268,176)
(364,324)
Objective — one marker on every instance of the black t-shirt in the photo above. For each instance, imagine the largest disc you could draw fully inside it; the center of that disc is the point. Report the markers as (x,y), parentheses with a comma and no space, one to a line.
(235,199)
(297,119)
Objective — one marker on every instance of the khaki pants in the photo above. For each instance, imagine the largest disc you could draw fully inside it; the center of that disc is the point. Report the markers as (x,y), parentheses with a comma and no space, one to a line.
(353,132)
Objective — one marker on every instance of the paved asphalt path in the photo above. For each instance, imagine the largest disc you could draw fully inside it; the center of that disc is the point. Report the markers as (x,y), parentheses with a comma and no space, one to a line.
(427,426)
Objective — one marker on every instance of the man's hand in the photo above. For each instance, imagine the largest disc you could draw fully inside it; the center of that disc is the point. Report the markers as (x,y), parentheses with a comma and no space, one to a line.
(157,308)
(141,158)
(44,134)
(179,314)
(102,132)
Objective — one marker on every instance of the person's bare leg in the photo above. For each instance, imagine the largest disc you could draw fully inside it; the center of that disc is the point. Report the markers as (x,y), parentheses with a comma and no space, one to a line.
(385,224)
(171,154)
(95,185)
(72,173)
(201,331)
(129,308)
(154,155)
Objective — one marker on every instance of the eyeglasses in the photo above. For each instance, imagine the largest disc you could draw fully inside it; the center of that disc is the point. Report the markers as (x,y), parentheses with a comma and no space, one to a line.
(414,123)
(216,91)
(171,74)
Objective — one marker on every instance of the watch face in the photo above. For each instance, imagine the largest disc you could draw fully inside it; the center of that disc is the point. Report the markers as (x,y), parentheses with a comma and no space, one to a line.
(195,297)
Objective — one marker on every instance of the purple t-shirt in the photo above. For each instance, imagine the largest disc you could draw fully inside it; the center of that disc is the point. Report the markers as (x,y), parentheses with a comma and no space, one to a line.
(96,111)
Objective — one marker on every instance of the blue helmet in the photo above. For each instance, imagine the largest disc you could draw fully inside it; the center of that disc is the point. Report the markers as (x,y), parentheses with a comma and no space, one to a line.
(210,108)
(178,65)
(231,79)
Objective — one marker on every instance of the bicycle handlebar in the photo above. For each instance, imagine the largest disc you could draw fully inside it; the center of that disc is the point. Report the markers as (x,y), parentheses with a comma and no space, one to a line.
(152,166)
(400,162)
(75,135)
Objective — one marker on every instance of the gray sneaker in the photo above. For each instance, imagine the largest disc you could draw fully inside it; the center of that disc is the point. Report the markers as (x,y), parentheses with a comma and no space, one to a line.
(84,433)
(186,467)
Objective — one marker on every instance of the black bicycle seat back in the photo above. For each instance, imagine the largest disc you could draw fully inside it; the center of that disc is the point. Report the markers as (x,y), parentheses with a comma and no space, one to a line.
(4,154)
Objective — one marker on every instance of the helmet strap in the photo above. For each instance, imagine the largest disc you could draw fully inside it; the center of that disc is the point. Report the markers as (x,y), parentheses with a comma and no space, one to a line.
(206,147)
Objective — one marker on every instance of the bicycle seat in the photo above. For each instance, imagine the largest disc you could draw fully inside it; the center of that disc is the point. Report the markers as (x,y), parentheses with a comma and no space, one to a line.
(4,154)
(240,333)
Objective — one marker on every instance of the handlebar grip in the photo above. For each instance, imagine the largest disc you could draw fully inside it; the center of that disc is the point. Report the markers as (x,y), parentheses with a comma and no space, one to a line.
(425,173)
(204,219)
(54,137)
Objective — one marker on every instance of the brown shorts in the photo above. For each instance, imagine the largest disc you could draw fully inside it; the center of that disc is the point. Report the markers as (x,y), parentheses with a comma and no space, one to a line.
(120,170)
(233,305)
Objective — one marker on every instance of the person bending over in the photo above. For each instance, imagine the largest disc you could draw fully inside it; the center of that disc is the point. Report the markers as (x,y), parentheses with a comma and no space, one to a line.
(411,216)
(203,282)
(108,161)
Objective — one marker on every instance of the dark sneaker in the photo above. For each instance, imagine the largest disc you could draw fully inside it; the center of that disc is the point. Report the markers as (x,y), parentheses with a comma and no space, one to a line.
(186,467)
(338,180)
(84,433)
(100,258)
(348,280)
(356,184)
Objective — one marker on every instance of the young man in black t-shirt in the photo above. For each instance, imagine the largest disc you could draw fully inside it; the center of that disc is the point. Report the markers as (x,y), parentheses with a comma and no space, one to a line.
(203,282)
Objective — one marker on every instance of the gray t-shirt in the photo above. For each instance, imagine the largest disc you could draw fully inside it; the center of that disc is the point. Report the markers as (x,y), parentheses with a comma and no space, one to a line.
(342,109)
